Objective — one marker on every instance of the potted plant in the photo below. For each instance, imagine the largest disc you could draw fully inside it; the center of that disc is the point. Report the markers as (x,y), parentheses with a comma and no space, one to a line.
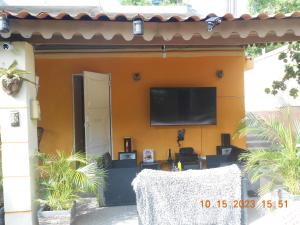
(12,79)
(62,180)
(280,163)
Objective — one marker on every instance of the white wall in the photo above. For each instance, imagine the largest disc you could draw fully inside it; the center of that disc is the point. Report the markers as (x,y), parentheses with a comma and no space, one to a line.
(266,69)
(19,144)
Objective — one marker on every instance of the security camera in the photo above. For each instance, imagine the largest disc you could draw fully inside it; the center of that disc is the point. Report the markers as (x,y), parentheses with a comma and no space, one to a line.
(6,46)
(212,22)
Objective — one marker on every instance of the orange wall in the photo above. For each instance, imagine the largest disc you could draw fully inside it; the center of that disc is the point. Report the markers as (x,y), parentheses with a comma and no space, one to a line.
(130,99)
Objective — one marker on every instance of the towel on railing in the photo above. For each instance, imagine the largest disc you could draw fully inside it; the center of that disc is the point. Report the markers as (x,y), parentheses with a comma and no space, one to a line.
(192,197)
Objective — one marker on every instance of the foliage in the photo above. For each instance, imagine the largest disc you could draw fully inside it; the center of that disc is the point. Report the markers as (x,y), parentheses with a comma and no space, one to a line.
(148,2)
(12,72)
(281,162)
(273,6)
(135,2)
(291,58)
(259,49)
(61,182)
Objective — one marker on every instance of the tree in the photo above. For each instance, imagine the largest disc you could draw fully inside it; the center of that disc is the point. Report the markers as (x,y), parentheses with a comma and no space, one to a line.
(291,58)
(135,2)
(273,6)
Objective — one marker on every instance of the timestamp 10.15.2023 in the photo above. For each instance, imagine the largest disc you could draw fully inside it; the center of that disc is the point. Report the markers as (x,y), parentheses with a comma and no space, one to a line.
(221,203)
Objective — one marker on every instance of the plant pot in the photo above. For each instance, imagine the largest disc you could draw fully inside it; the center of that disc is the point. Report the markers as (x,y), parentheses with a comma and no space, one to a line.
(11,86)
(60,217)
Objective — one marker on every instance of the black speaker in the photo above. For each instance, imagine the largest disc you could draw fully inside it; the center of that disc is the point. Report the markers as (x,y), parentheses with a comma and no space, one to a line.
(225,140)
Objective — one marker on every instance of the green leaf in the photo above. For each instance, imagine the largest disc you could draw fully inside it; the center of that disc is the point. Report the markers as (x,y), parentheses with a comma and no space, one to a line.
(281,162)
(61,181)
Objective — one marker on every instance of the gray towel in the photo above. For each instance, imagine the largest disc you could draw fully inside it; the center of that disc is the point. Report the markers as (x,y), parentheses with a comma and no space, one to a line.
(174,198)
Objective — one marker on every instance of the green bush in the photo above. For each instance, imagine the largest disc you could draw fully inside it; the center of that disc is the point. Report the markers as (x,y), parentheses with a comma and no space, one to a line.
(62,179)
(280,163)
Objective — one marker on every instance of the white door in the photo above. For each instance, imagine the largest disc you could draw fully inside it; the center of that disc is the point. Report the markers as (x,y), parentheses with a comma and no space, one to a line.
(97,112)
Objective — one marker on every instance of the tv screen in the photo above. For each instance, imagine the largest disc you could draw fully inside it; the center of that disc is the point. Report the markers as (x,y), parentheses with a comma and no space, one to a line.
(183,106)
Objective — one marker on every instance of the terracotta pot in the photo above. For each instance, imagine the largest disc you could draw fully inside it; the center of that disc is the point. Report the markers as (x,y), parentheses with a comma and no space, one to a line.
(11,86)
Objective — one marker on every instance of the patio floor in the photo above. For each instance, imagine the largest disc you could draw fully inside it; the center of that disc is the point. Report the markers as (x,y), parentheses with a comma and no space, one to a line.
(90,214)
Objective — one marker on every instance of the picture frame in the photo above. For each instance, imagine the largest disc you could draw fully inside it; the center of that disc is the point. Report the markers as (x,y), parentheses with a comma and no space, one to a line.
(226,151)
(148,155)
(127,155)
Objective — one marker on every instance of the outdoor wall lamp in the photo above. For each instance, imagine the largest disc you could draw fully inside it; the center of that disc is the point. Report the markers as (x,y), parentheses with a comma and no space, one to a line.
(138,26)
(220,73)
(4,26)
(212,22)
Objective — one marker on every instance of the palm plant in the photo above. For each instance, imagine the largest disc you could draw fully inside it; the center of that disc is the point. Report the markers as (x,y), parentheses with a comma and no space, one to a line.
(12,78)
(280,163)
(61,182)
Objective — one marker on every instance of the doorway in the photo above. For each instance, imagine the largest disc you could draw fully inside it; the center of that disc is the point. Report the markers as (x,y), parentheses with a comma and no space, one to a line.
(92,113)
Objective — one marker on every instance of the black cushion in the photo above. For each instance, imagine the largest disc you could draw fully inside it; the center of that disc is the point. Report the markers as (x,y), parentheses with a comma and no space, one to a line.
(126,163)
(186,151)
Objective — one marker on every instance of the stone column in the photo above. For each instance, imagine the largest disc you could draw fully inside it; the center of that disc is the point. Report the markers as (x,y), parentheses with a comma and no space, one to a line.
(19,144)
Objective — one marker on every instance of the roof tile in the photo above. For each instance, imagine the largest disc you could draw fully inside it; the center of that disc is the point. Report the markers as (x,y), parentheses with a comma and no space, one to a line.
(24,14)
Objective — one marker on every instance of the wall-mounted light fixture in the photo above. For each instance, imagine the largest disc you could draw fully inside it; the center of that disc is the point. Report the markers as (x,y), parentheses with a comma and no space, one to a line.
(212,22)
(220,73)
(138,26)
(136,77)
(4,25)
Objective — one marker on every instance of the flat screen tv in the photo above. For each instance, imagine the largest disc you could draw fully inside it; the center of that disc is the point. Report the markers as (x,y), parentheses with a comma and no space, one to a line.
(183,106)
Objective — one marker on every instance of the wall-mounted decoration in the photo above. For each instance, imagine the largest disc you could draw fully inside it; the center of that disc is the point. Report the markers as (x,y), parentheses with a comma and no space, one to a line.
(180,136)
(12,79)
(14,118)
(127,144)
(148,155)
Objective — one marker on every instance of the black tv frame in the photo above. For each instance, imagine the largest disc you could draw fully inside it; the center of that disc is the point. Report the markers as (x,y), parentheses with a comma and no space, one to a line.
(185,124)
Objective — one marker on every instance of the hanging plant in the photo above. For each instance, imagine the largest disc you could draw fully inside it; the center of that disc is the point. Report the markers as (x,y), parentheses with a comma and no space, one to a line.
(12,79)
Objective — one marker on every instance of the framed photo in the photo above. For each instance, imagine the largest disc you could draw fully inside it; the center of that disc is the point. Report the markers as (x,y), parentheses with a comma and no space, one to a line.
(226,151)
(148,155)
(127,155)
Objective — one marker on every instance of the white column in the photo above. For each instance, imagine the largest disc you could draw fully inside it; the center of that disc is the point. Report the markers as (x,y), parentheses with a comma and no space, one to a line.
(19,144)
